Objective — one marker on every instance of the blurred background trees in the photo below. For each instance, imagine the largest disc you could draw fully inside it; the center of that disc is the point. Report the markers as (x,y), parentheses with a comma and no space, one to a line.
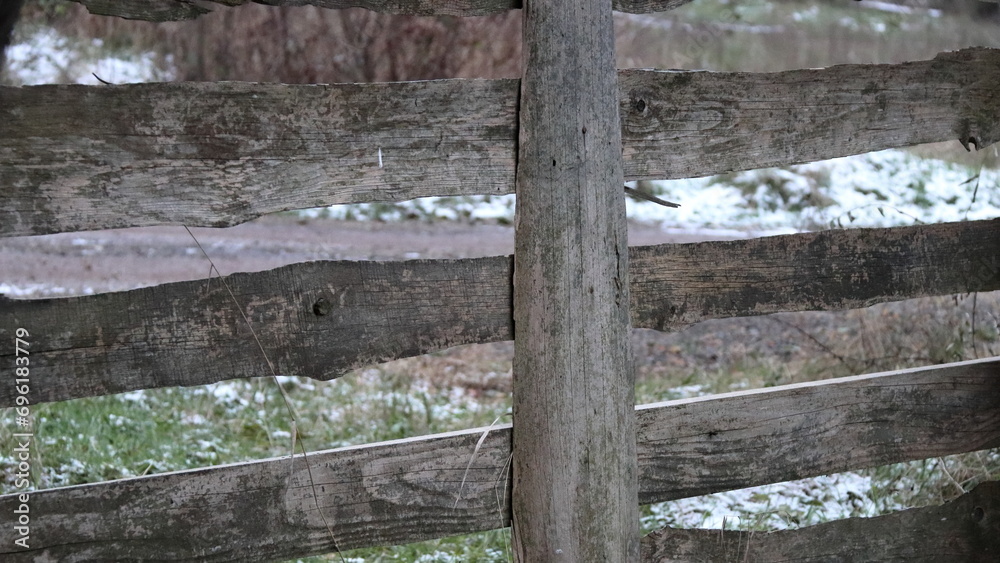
(311,45)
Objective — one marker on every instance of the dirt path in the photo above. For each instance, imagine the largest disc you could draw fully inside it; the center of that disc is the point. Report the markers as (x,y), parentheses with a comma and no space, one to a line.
(100,261)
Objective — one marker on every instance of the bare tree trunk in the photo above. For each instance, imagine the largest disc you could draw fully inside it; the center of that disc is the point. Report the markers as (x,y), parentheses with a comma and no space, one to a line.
(307,44)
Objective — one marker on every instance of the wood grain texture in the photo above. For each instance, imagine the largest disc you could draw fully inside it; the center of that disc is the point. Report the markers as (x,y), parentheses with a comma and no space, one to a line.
(406,490)
(147,10)
(574,463)
(682,124)
(381,494)
(172,10)
(217,154)
(677,285)
(190,333)
(316,319)
(965,529)
(735,440)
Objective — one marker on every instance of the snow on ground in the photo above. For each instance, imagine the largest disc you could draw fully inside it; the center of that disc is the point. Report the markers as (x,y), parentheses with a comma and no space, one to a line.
(46,57)
(775,507)
(881,189)
(40,289)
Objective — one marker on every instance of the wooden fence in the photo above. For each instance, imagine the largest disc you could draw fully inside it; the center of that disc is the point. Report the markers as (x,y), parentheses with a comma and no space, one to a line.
(96,157)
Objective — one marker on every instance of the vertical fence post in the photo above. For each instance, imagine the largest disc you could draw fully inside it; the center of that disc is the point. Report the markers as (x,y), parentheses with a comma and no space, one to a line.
(574,469)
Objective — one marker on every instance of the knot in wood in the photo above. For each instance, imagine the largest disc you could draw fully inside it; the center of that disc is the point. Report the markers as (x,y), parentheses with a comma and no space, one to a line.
(322,307)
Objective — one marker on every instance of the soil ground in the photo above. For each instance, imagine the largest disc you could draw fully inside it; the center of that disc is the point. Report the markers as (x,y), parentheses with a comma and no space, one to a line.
(122,259)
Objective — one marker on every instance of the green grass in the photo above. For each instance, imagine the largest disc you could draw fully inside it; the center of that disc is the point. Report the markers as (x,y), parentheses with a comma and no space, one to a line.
(99,439)
(104,438)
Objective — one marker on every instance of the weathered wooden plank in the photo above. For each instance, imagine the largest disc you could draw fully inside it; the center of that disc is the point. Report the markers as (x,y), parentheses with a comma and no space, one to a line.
(406,490)
(147,10)
(190,333)
(722,442)
(965,529)
(316,318)
(574,462)
(677,285)
(380,494)
(216,154)
(172,10)
(679,124)
(219,154)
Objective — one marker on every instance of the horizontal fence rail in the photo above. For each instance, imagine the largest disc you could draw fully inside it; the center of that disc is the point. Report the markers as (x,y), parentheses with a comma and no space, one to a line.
(436,486)
(964,529)
(172,10)
(686,124)
(216,154)
(735,440)
(323,319)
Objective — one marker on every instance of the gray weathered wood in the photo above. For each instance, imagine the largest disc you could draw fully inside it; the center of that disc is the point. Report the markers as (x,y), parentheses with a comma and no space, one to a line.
(678,124)
(215,154)
(379,494)
(147,10)
(965,529)
(171,10)
(574,463)
(677,285)
(190,333)
(722,442)
(406,490)
(317,318)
